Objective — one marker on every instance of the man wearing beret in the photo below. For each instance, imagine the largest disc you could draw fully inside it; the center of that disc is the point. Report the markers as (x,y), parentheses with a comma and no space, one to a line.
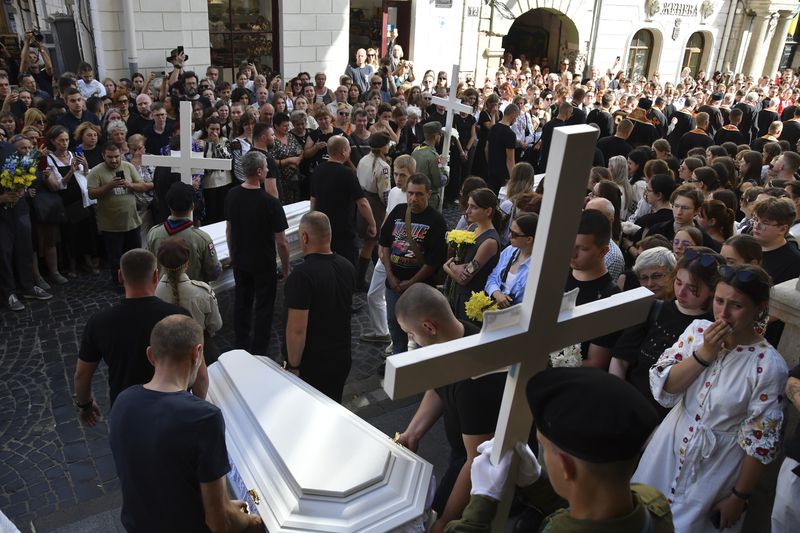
(429,162)
(204,264)
(591,428)
(469,407)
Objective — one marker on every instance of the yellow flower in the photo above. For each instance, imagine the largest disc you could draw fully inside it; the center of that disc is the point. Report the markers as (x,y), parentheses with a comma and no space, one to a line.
(18,172)
(457,236)
(32,170)
(477,304)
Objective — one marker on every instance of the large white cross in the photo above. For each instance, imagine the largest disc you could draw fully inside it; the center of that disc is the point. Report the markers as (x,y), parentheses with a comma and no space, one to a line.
(187,160)
(510,337)
(451,104)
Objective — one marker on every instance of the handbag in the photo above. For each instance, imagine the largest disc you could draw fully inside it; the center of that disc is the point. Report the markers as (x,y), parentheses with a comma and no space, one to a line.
(48,206)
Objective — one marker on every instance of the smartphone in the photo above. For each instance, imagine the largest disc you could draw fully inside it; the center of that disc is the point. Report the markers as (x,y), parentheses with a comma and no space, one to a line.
(120,174)
(79,150)
(15,88)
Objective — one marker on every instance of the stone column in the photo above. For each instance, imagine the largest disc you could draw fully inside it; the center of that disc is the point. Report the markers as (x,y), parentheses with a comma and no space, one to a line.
(757,49)
(777,44)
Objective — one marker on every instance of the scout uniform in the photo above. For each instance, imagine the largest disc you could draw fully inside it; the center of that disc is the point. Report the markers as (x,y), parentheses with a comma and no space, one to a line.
(429,163)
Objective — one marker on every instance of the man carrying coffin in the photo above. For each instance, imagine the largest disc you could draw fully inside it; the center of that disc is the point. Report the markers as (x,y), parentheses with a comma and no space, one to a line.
(590,468)
(169,446)
(470,407)
(318,294)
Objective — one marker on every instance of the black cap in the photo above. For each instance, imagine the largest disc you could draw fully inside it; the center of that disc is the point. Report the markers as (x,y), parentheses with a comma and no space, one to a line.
(645,103)
(590,414)
(378,140)
(180,197)
(716,97)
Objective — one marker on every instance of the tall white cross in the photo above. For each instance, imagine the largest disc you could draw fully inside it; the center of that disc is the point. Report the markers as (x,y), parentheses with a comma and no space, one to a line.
(187,160)
(510,337)
(451,104)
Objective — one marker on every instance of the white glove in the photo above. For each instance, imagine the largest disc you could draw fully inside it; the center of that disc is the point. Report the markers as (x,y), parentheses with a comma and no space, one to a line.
(488,479)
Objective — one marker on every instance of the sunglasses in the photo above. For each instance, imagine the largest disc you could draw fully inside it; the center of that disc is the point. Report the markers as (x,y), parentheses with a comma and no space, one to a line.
(344,114)
(376,83)
(371,55)
(730,273)
(514,234)
(705,259)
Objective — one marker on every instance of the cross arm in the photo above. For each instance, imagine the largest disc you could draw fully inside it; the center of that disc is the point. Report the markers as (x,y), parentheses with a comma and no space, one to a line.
(439,364)
(451,104)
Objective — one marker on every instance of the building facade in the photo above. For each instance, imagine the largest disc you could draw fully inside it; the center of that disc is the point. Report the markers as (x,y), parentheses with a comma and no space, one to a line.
(641,37)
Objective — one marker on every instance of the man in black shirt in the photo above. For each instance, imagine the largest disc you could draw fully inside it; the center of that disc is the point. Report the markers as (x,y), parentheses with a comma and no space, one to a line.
(413,258)
(141,119)
(715,121)
(748,124)
(256,224)
(335,191)
(696,138)
(730,132)
(602,116)
(159,132)
(791,129)
(318,294)
(589,274)
(169,447)
(502,143)
(75,115)
(564,112)
(470,407)
(617,144)
(263,139)
(120,335)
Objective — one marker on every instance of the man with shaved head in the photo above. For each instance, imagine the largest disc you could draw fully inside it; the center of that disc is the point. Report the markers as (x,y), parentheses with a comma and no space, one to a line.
(318,295)
(361,71)
(615,261)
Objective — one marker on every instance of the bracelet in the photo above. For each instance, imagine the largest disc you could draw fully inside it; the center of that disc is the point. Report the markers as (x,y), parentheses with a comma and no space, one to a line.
(700,360)
(740,495)
(83,406)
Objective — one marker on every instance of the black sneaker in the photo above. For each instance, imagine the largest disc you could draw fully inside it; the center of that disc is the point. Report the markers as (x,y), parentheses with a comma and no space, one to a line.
(37,293)
(14,303)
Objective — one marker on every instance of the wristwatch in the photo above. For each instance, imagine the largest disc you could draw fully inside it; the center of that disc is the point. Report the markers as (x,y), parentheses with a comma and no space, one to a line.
(83,406)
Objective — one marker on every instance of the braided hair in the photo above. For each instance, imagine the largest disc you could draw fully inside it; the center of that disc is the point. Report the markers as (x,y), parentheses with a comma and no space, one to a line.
(173,258)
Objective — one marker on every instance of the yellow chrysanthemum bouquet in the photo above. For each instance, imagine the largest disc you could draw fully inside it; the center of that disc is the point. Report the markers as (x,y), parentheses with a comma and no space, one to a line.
(19,172)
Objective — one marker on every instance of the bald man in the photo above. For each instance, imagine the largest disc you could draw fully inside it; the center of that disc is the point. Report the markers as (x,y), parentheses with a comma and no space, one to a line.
(336,191)
(615,261)
(360,72)
(318,295)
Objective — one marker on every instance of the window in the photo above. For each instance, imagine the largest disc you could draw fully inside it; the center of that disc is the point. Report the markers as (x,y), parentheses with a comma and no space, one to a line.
(694,52)
(639,54)
(242,30)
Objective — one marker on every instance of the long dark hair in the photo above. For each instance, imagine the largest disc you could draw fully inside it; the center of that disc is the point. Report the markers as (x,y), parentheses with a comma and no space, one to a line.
(486,198)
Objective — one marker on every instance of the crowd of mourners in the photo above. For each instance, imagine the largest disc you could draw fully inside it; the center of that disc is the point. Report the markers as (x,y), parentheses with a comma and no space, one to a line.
(693,195)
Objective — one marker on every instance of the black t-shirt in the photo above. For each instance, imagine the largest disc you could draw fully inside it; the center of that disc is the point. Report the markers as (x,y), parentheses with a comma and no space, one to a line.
(791,133)
(255,217)
(318,136)
(165,444)
(138,124)
(783,263)
(156,141)
(793,443)
(463,126)
(120,336)
(590,291)
(428,230)
(501,138)
(272,166)
(471,406)
(604,121)
(336,189)
(323,284)
(641,345)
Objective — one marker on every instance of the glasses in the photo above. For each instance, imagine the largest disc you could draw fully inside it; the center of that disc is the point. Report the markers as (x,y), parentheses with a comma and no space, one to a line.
(344,114)
(656,277)
(730,273)
(513,234)
(376,83)
(705,259)
(760,224)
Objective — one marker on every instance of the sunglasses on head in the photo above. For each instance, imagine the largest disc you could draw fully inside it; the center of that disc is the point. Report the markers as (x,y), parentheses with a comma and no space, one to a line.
(705,259)
(730,273)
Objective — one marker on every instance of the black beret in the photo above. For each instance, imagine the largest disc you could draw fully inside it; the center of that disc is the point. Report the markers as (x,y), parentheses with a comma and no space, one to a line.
(378,140)
(590,414)
(180,197)
(645,103)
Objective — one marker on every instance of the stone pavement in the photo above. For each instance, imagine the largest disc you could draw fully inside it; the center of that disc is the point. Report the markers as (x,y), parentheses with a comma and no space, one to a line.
(55,472)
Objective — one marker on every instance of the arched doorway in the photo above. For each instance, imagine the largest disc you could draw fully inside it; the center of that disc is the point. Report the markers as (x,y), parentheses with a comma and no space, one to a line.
(694,52)
(545,36)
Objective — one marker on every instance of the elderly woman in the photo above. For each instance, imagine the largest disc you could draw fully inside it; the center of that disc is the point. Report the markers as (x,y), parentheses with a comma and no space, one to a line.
(693,283)
(725,386)
(87,135)
(117,134)
(288,154)
(144,200)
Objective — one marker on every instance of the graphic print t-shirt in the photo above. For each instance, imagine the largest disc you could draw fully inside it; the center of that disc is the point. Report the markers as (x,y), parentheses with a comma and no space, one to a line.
(427,229)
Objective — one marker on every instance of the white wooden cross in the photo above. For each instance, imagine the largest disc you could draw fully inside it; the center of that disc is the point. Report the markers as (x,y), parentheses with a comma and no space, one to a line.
(187,160)
(510,337)
(451,104)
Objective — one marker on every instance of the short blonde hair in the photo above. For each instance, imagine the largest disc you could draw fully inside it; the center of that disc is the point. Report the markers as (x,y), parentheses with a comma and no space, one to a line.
(136,140)
(407,162)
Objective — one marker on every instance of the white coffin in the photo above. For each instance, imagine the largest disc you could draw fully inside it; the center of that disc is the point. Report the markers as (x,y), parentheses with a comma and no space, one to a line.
(217,232)
(314,465)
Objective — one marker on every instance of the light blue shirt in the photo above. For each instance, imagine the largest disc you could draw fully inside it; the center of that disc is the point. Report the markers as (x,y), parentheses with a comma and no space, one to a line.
(517,288)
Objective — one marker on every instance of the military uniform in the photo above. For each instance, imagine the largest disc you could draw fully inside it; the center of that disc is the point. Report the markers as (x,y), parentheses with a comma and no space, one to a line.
(429,163)
(204,264)
(199,299)
(651,514)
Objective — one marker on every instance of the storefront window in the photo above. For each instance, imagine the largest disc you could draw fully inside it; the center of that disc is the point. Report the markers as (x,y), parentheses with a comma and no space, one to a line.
(243,30)
(639,54)
(694,53)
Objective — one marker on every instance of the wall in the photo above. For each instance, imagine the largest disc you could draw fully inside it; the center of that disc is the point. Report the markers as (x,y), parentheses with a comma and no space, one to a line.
(161,25)
(314,37)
